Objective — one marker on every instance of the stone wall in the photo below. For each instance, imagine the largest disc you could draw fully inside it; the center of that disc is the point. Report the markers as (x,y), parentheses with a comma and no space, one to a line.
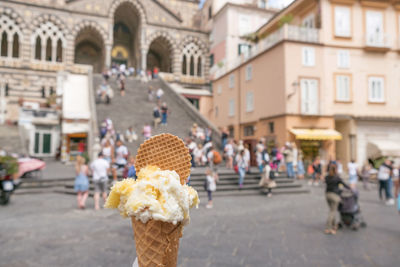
(62,22)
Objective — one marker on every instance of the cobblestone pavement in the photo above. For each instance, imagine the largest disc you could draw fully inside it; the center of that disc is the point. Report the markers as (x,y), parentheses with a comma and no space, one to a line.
(47,230)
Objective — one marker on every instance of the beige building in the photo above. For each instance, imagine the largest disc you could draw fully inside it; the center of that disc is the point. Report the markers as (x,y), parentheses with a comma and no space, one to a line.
(43,38)
(324,74)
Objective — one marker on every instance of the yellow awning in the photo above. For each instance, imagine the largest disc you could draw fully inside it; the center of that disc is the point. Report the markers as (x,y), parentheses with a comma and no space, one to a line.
(316,134)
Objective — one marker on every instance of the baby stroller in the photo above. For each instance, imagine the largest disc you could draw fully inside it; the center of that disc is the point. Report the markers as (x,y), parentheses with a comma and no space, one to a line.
(350,213)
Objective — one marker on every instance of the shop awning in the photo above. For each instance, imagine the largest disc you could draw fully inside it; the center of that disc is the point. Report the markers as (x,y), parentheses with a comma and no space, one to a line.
(75,127)
(383,148)
(316,134)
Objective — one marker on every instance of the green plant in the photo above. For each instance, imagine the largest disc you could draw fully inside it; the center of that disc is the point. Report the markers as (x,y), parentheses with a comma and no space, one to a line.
(10,164)
(51,99)
(285,20)
(220,64)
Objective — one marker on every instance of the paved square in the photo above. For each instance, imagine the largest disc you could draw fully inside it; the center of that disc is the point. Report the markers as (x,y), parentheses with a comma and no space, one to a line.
(285,230)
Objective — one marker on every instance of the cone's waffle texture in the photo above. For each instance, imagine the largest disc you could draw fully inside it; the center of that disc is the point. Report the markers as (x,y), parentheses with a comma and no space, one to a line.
(157,243)
(167,152)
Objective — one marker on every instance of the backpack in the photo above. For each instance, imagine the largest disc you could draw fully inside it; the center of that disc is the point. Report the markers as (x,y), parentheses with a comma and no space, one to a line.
(217,159)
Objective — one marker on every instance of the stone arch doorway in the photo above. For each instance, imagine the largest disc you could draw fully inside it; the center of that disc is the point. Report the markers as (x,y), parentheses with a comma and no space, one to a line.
(160,55)
(126,32)
(89,49)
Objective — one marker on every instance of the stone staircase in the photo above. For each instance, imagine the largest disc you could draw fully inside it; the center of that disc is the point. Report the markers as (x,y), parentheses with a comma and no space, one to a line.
(135,110)
(227,185)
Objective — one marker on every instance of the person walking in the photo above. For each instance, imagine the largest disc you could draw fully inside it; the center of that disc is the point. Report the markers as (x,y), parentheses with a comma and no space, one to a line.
(332,194)
(384,174)
(122,85)
(229,154)
(130,135)
(211,186)
(159,95)
(81,184)
(121,156)
(214,158)
(352,167)
(300,165)
(100,168)
(317,172)
(247,157)
(131,173)
(146,131)
(224,137)
(365,174)
(108,151)
(156,116)
(288,154)
(164,114)
(242,166)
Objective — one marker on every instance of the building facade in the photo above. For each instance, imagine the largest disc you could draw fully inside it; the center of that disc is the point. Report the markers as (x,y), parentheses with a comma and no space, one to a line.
(41,38)
(324,74)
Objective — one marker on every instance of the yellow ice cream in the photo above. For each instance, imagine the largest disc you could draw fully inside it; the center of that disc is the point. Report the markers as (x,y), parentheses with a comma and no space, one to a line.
(156,194)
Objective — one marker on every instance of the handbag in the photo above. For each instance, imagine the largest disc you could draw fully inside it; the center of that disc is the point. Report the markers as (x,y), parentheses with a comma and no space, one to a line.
(236,168)
(272,184)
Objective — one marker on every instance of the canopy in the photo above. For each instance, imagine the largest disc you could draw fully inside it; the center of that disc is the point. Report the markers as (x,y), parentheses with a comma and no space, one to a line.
(383,148)
(75,127)
(76,97)
(316,134)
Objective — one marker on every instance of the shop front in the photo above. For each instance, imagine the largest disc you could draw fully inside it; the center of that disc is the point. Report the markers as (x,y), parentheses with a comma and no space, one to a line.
(316,142)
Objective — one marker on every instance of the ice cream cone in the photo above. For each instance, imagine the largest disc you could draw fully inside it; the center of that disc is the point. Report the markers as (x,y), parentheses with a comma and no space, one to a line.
(157,242)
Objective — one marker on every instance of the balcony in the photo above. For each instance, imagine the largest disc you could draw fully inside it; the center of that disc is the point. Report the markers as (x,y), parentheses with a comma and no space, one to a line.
(378,42)
(286,33)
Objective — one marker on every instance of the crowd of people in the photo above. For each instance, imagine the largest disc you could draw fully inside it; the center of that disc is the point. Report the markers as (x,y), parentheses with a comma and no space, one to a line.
(120,71)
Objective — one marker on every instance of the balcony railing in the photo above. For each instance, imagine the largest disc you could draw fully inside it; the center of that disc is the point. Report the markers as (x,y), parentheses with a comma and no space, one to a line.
(377,40)
(287,32)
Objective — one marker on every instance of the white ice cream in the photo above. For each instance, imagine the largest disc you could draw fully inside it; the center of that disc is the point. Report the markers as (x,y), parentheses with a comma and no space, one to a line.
(156,194)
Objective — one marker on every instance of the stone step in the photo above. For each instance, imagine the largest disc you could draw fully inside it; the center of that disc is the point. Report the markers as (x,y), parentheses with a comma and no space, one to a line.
(135,110)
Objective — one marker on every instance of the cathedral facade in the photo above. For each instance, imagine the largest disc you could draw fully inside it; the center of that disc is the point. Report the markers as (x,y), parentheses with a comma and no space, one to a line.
(42,37)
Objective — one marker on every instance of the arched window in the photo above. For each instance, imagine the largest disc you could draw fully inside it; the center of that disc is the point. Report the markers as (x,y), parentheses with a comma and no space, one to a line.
(10,36)
(4,44)
(38,48)
(53,39)
(15,50)
(48,49)
(192,52)
(191,66)
(184,66)
(199,67)
(59,51)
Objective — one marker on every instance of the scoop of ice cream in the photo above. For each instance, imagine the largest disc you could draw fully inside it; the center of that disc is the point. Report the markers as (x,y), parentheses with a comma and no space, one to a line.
(156,194)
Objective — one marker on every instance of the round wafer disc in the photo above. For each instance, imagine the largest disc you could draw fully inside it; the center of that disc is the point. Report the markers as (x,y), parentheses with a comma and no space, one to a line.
(166,151)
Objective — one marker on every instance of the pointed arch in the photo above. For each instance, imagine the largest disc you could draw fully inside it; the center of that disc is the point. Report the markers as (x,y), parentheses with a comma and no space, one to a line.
(4,44)
(90,46)
(161,51)
(10,29)
(184,65)
(50,29)
(135,3)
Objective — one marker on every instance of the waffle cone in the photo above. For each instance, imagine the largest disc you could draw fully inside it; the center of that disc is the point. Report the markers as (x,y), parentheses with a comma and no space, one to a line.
(167,152)
(157,243)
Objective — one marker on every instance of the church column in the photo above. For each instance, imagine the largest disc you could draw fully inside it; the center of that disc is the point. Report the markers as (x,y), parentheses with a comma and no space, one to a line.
(53,52)
(10,48)
(108,55)
(143,53)
(43,52)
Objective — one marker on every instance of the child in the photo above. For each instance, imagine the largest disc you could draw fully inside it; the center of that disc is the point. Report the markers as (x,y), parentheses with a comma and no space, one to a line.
(131,168)
(211,187)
